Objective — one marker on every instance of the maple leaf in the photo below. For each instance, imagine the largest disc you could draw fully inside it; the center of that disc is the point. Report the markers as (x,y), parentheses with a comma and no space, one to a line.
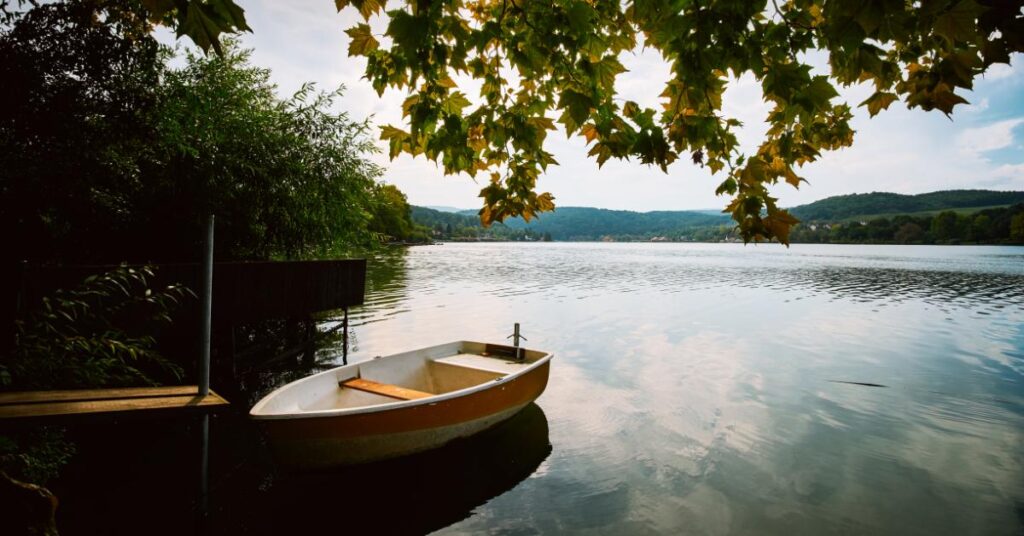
(362,42)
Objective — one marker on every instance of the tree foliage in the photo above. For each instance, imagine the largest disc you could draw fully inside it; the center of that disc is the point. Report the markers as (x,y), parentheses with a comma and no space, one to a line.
(286,178)
(1017,228)
(99,334)
(988,226)
(75,96)
(111,154)
(391,216)
(542,62)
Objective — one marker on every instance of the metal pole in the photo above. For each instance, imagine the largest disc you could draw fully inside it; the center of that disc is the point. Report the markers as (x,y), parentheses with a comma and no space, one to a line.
(204,372)
(207,312)
(204,468)
(344,337)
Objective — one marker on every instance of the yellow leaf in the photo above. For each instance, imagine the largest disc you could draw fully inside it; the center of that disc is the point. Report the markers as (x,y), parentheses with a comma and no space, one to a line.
(362,42)
(879,101)
(368,8)
(792,178)
(408,104)
(486,216)
(545,202)
(543,122)
(388,132)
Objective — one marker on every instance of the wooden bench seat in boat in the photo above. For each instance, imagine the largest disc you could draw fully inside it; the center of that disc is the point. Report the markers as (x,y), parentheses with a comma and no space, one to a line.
(495,364)
(383,389)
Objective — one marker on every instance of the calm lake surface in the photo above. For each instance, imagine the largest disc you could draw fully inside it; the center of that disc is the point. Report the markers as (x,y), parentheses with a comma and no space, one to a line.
(715,389)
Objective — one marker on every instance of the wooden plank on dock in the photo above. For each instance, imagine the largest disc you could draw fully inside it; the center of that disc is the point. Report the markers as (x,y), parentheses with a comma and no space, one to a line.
(35,397)
(55,404)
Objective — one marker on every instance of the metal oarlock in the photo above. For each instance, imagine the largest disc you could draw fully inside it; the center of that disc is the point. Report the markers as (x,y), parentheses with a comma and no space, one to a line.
(515,336)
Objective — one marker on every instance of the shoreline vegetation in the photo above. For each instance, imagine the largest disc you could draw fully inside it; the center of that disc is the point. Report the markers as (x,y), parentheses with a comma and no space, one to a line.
(117,149)
(937,218)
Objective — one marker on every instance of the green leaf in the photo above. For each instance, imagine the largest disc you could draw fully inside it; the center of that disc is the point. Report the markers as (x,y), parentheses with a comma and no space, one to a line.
(580,16)
(362,42)
(869,16)
(204,22)
(819,92)
(606,70)
(959,23)
(408,32)
(158,8)
(455,103)
(576,108)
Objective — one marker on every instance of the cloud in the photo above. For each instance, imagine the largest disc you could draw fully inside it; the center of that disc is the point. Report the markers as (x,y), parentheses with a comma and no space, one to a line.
(1010,171)
(974,141)
(999,71)
(981,106)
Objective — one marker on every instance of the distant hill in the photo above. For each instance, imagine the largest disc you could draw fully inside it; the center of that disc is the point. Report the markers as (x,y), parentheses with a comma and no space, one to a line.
(876,204)
(430,217)
(445,208)
(584,223)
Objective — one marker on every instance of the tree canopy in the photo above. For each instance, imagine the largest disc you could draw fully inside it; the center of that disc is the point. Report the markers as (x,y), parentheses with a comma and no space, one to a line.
(545,62)
(114,154)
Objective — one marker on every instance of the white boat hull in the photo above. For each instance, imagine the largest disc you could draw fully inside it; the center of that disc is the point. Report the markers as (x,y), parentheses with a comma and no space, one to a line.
(465,393)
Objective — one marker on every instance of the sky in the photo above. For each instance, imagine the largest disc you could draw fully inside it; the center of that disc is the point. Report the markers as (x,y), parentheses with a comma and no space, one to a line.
(900,150)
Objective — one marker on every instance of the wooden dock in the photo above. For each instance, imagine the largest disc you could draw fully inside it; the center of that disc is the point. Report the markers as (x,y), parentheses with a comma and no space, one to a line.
(132,401)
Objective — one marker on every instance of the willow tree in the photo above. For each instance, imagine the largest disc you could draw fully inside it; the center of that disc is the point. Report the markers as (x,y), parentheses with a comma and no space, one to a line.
(557,61)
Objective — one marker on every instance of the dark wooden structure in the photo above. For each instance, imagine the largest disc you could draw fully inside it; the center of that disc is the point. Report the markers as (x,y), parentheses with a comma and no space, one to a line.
(242,291)
(56,406)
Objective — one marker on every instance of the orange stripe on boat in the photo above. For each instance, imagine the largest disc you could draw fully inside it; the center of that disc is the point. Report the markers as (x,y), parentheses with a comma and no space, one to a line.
(516,392)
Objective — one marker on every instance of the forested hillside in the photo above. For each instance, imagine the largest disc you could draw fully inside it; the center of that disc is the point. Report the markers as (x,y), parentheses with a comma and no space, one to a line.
(1003,225)
(579,223)
(866,206)
(583,223)
(953,216)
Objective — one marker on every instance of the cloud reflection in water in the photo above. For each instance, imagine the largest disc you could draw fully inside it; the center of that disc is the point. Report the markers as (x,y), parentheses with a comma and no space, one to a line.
(691,390)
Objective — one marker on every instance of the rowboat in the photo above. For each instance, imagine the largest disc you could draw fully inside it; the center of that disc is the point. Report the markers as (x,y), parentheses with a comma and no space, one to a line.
(399,404)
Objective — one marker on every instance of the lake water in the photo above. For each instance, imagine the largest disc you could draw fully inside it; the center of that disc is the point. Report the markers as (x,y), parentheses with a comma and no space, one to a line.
(715,389)
(695,389)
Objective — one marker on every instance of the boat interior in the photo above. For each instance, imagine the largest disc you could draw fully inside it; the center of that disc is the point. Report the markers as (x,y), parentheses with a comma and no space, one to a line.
(407,376)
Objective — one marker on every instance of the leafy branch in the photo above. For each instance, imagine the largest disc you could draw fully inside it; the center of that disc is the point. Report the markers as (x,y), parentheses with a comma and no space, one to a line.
(924,54)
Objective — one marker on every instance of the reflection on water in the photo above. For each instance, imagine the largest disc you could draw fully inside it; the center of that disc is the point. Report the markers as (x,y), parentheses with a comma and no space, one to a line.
(699,388)
(412,495)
